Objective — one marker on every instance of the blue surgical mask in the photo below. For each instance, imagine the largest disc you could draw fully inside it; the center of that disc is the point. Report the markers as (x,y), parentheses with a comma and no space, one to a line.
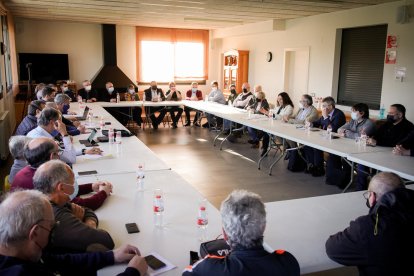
(194,90)
(110,89)
(75,190)
(354,116)
(65,108)
(54,133)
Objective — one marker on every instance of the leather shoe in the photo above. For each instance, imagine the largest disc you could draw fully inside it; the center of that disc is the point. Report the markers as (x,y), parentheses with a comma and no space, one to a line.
(174,125)
(187,124)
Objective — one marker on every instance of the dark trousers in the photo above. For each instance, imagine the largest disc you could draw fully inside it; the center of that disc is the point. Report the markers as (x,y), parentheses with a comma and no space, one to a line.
(157,120)
(187,114)
(313,156)
(136,115)
(175,117)
(338,172)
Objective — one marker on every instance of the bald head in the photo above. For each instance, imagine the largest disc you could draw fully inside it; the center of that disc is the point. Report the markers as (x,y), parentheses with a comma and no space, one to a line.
(385,182)
(246,86)
(40,150)
(50,174)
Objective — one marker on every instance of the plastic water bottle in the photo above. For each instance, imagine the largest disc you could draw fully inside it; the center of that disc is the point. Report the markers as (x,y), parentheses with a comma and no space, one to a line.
(202,220)
(118,98)
(111,135)
(158,206)
(382,112)
(140,174)
(101,124)
(118,137)
(329,131)
(270,114)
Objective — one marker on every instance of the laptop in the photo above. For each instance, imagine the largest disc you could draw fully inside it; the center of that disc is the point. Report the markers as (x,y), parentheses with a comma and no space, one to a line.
(84,116)
(90,142)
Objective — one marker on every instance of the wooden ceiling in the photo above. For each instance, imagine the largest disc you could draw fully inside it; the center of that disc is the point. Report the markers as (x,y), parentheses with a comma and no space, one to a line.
(197,14)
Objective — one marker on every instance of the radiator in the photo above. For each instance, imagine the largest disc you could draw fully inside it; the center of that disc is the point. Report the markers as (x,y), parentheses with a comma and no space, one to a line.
(5,133)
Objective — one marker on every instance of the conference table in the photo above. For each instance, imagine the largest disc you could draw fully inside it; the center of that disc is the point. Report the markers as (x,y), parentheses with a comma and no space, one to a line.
(300,226)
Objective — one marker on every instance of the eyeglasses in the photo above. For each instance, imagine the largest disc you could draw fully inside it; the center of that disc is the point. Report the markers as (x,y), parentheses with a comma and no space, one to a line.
(366,194)
(52,227)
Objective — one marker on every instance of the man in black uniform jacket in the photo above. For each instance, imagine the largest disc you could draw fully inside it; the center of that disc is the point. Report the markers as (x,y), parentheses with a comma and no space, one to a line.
(381,242)
(87,93)
(244,220)
(155,94)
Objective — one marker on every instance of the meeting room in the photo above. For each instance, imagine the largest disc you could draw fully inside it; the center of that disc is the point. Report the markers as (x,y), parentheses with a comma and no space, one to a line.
(181,137)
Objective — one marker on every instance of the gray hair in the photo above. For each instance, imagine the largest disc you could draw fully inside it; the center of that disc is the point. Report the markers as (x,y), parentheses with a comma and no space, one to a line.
(62,98)
(329,100)
(16,146)
(244,219)
(49,174)
(385,182)
(19,211)
(194,83)
(47,115)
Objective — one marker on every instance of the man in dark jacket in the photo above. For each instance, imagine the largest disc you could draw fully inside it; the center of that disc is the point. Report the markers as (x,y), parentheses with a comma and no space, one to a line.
(30,121)
(87,93)
(155,94)
(331,117)
(406,147)
(244,220)
(79,226)
(381,242)
(28,223)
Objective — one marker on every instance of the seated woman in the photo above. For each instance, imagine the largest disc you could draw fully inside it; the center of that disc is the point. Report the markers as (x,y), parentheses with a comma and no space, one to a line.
(360,124)
(257,107)
(284,110)
(130,96)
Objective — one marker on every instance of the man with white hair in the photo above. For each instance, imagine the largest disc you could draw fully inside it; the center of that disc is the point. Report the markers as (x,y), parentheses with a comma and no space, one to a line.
(27,224)
(381,242)
(16,146)
(244,220)
(78,231)
(62,102)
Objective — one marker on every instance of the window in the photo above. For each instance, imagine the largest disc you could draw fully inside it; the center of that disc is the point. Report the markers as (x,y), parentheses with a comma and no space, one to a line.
(167,55)
(362,65)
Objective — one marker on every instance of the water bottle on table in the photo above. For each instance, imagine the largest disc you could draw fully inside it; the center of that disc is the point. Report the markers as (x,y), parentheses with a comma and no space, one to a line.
(329,131)
(118,138)
(118,98)
(111,136)
(158,207)
(202,220)
(140,176)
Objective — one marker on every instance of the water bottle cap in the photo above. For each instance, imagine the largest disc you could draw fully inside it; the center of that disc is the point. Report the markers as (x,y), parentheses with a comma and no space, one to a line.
(202,208)
(158,196)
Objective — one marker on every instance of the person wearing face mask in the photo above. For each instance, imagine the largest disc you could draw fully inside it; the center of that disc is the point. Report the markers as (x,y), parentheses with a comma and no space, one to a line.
(78,229)
(65,90)
(260,103)
(29,226)
(233,94)
(155,94)
(215,96)
(380,242)
(109,93)
(73,128)
(41,150)
(30,121)
(174,95)
(192,95)
(394,130)
(87,93)
(306,112)
(130,96)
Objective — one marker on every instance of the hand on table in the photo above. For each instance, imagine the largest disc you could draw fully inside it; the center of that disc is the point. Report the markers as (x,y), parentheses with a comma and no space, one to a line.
(102,186)
(93,150)
(399,150)
(371,142)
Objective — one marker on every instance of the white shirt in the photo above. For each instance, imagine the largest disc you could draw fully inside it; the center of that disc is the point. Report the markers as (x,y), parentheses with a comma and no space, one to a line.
(69,152)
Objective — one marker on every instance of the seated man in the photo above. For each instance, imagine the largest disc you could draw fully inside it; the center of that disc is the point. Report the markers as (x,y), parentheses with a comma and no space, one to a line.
(38,90)
(78,227)
(192,95)
(67,91)
(28,222)
(331,117)
(215,96)
(306,112)
(155,94)
(379,242)
(87,93)
(48,94)
(174,95)
(30,121)
(108,94)
(243,216)
(406,147)
(74,128)
(260,104)
(132,95)
(16,146)
(41,150)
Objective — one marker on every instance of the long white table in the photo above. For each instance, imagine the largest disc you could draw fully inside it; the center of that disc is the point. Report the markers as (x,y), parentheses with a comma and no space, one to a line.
(180,234)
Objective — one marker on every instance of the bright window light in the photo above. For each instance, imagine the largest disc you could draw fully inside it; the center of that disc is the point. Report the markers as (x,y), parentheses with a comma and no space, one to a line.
(166,61)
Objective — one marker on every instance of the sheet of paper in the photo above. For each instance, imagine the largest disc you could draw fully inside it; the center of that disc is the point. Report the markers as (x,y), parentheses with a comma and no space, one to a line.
(97,156)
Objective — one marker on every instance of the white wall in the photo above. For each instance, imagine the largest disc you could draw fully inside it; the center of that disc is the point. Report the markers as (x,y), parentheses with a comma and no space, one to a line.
(319,33)
(82,42)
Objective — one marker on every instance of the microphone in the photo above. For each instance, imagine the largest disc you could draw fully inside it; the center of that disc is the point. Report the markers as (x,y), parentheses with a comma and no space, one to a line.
(28,65)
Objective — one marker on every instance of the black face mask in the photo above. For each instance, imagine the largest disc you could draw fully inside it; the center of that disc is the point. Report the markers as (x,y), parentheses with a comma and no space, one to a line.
(154,87)
(391,118)
(258,100)
(245,90)
(233,91)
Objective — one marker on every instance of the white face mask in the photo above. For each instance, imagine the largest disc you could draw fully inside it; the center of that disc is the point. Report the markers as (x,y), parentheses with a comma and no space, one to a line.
(88,87)
(300,105)
(111,89)
(132,91)
(256,95)
(65,89)
(354,116)
(214,88)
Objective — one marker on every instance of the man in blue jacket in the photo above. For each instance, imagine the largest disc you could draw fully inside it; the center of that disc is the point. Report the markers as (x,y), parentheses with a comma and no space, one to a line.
(381,242)
(27,224)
